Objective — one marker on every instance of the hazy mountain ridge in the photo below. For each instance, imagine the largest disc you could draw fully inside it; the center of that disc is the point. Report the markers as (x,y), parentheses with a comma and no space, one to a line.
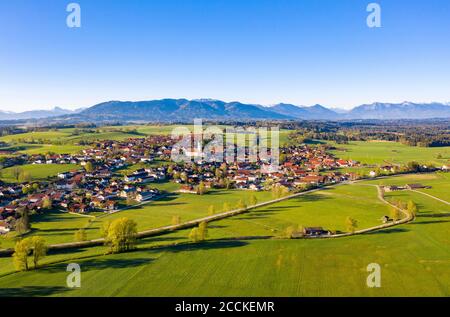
(36,114)
(405,110)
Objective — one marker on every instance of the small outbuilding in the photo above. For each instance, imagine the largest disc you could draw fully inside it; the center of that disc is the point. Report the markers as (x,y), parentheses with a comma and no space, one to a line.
(315,232)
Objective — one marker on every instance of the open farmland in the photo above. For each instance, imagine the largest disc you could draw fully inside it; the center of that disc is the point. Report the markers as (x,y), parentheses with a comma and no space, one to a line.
(37,172)
(327,208)
(414,259)
(381,152)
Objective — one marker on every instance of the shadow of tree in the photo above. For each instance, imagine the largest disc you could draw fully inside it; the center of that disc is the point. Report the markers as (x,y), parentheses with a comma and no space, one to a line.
(389,231)
(428,222)
(434,215)
(99,264)
(30,291)
(207,245)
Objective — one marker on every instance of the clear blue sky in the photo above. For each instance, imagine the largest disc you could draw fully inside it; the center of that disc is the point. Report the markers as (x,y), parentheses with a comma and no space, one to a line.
(260,51)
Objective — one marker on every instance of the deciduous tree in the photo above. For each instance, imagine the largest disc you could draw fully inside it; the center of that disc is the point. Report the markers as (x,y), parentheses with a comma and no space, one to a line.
(39,249)
(412,208)
(203,230)
(253,200)
(80,235)
(121,235)
(351,224)
(176,220)
(20,256)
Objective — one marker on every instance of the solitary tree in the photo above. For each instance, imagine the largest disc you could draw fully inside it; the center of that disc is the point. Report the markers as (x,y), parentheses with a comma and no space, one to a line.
(253,200)
(241,204)
(276,191)
(284,191)
(194,235)
(89,167)
(201,189)
(16,172)
(39,249)
(22,224)
(395,213)
(176,220)
(203,230)
(105,229)
(211,210)
(80,235)
(412,208)
(20,256)
(183,177)
(121,235)
(351,224)
(47,203)
(226,207)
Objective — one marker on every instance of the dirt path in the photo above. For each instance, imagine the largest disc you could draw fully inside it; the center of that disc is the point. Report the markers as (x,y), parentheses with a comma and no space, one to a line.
(431,196)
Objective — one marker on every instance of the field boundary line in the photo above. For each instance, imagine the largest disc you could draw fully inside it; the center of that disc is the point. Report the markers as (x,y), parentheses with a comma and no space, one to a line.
(431,196)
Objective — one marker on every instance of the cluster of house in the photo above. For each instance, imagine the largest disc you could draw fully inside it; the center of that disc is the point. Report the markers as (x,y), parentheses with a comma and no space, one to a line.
(76,191)
(93,188)
(99,186)
(303,166)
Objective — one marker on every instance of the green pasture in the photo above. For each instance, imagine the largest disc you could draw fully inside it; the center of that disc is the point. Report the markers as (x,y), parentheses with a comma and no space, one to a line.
(380,152)
(414,258)
(36,171)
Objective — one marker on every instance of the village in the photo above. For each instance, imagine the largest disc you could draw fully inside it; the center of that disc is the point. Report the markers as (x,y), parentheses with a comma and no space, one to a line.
(99,186)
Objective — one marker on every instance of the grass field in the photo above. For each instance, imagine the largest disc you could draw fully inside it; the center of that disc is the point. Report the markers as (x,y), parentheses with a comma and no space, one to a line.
(187,206)
(381,152)
(37,171)
(327,208)
(64,141)
(414,260)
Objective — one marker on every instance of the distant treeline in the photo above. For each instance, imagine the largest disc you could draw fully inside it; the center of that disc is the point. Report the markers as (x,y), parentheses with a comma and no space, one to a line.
(429,134)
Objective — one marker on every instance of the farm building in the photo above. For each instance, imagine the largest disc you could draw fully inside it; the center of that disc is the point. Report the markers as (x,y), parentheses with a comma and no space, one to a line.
(315,232)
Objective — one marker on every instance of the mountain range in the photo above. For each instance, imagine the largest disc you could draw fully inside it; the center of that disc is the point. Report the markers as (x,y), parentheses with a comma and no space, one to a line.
(170,110)
(36,114)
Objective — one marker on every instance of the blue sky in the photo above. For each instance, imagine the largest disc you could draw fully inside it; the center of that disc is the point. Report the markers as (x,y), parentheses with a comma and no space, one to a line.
(259,51)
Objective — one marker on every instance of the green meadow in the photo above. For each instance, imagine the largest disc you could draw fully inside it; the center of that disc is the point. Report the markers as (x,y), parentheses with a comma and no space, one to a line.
(328,208)
(414,261)
(36,172)
(414,258)
(381,152)
(64,141)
